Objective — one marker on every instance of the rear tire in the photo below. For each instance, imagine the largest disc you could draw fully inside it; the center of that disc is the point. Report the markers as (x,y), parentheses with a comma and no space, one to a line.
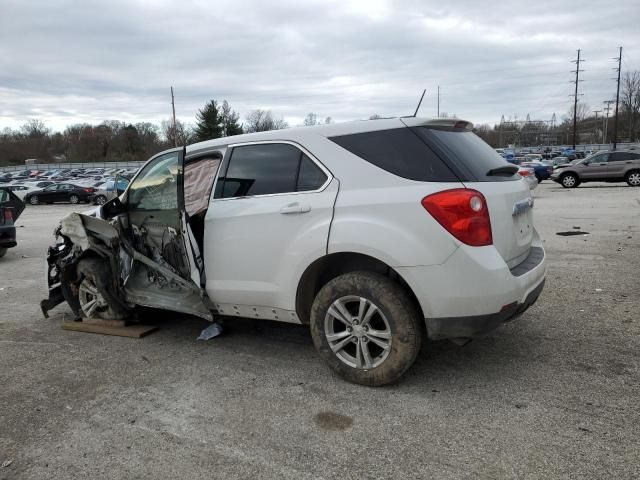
(74,199)
(569,180)
(633,178)
(3,252)
(33,200)
(366,328)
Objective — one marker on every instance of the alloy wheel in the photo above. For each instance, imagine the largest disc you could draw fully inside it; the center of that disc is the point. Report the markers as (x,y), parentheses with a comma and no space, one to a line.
(358,332)
(74,199)
(569,181)
(90,298)
(634,179)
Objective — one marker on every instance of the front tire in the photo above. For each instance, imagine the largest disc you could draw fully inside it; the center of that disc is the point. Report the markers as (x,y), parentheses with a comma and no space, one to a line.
(366,328)
(100,200)
(569,180)
(3,252)
(94,297)
(633,178)
(34,200)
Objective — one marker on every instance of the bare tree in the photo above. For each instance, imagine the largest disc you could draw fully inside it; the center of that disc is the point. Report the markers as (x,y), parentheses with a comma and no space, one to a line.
(183,132)
(34,128)
(630,103)
(310,120)
(262,121)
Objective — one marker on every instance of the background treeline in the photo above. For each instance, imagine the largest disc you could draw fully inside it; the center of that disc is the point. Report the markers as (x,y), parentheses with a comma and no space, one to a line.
(114,140)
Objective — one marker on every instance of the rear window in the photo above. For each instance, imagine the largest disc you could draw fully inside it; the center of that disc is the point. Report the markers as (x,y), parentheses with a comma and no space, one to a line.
(465,153)
(399,151)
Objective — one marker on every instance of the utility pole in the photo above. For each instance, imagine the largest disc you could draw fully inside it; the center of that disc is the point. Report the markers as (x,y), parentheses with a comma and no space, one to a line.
(575,97)
(438,101)
(175,132)
(595,129)
(607,109)
(615,125)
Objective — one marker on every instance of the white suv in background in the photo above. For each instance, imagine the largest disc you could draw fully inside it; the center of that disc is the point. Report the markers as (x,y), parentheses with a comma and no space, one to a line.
(374,233)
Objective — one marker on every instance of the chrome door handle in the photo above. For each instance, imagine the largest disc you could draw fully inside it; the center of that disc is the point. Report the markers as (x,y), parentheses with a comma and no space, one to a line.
(295,208)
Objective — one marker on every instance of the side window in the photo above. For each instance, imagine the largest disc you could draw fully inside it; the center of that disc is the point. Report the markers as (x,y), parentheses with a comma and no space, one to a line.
(261,170)
(601,158)
(617,157)
(156,188)
(310,176)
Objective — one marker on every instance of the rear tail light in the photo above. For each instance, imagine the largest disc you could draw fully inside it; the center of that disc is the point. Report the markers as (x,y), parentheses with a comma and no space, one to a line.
(524,173)
(88,190)
(463,213)
(8,216)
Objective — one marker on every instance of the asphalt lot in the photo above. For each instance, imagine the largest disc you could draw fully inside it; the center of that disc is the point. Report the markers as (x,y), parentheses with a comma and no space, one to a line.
(554,394)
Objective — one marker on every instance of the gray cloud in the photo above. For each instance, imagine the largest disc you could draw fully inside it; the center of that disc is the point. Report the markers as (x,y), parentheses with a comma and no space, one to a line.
(71,61)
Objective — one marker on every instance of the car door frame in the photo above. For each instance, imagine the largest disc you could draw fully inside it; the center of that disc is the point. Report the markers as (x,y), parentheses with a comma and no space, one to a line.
(595,171)
(619,167)
(193,302)
(248,308)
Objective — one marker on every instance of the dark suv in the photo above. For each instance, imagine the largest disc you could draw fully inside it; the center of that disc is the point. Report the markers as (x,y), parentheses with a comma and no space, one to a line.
(614,166)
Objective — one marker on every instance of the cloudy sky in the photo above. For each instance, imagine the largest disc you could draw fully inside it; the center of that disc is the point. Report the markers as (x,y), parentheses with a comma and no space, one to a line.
(69,61)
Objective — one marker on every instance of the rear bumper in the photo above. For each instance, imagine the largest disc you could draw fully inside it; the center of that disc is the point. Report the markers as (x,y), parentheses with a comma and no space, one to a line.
(8,237)
(474,290)
(473,326)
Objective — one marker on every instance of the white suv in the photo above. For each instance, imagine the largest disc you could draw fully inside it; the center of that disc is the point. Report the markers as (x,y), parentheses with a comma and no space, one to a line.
(374,233)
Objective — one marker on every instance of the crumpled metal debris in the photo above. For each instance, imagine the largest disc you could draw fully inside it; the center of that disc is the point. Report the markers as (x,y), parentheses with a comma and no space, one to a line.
(211,331)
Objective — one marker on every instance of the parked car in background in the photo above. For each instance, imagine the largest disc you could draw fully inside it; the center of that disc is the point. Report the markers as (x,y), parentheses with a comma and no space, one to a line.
(558,161)
(529,176)
(533,157)
(10,209)
(21,190)
(612,166)
(542,171)
(59,192)
(108,191)
(325,226)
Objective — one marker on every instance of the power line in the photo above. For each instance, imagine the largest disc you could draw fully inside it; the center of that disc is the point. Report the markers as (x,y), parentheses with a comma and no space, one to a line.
(615,125)
(575,97)
(173,108)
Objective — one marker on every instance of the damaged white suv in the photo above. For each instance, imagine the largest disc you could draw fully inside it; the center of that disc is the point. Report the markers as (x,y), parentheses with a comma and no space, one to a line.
(374,233)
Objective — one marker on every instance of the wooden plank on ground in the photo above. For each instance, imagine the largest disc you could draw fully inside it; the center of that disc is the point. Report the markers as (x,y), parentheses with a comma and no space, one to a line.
(133,331)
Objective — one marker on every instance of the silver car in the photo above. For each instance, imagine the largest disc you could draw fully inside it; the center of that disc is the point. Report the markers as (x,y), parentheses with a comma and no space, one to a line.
(613,166)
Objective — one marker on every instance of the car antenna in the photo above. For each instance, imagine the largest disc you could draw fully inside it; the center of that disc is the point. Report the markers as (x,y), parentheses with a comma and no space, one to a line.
(420,102)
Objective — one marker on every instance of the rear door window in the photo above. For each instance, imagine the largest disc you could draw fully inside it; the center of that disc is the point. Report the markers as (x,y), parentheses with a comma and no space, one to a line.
(398,151)
(465,153)
(268,169)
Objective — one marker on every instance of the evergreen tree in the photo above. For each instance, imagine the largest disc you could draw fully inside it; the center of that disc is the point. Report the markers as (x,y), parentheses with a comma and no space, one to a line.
(229,120)
(208,122)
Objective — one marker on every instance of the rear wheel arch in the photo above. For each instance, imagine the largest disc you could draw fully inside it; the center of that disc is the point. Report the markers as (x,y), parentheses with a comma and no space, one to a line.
(330,266)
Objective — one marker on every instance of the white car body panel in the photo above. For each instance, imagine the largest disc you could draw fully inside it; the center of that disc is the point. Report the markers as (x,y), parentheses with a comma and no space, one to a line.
(254,254)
